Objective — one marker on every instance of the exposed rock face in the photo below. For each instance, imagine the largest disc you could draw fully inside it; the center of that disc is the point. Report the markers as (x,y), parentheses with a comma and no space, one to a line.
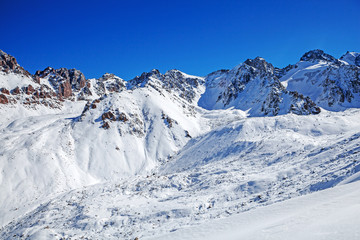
(9,64)
(109,83)
(16,91)
(108,115)
(4,91)
(331,84)
(185,86)
(65,81)
(144,79)
(319,55)
(3,99)
(253,86)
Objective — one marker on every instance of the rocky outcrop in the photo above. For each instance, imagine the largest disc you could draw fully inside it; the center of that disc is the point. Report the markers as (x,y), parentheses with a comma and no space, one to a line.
(185,86)
(4,91)
(108,115)
(65,81)
(319,55)
(9,64)
(109,83)
(3,99)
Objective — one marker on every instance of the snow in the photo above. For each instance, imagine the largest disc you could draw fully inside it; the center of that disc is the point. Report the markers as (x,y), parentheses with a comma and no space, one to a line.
(181,166)
(11,81)
(327,84)
(330,214)
(260,161)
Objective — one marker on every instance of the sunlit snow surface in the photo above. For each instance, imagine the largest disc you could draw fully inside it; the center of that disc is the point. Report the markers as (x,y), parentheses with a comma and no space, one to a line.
(175,170)
(232,165)
(328,215)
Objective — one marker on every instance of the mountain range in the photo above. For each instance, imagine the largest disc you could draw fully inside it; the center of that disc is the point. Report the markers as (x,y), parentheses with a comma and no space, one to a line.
(108,158)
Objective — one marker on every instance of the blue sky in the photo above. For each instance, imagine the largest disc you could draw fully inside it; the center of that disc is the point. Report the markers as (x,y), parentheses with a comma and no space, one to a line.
(197,37)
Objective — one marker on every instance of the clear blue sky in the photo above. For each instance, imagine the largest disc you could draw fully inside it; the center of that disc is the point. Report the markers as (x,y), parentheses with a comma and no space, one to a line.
(197,37)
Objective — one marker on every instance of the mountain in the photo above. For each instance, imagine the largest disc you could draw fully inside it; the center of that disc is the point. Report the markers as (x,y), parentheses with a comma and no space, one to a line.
(331,83)
(253,86)
(113,159)
(351,58)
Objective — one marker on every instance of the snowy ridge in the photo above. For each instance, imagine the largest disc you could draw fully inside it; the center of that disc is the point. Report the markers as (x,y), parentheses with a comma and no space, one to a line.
(112,159)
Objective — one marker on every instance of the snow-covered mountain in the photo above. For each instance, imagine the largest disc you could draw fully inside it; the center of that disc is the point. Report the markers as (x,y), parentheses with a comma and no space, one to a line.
(253,86)
(331,83)
(113,159)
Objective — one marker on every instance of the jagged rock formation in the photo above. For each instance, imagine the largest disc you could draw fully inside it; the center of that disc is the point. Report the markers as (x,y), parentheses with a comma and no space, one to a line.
(18,85)
(253,86)
(66,81)
(332,84)
(109,83)
(318,55)
(9,64)
(183,85)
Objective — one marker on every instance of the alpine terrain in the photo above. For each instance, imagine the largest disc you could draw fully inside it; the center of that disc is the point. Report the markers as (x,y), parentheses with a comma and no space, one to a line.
(254,152)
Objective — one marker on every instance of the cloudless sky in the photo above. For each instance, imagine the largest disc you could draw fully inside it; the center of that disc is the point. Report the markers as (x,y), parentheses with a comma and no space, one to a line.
(196,37)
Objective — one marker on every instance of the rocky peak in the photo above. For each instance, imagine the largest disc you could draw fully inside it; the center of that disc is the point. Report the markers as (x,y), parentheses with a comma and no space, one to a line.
(107,76)
(9,64)
(108,83)
(64,80)
(254,87)
(144,78)
(318,55)
(260,64)
(185,85)
(352,58)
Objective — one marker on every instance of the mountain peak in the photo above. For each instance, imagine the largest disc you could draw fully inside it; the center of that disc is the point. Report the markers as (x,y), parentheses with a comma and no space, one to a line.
(8,64)
(260,64)
(352,58)
(318,55)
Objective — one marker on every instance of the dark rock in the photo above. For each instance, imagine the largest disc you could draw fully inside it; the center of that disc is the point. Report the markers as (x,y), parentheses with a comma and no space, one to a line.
(9,64)
(66,81)
(108,115)
(3,99)
(122,117)
(316,55)
(106,125)
(4,91)
(16,91)
(29,89)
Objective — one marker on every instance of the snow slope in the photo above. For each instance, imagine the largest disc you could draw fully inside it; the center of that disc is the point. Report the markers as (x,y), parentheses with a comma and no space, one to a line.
(239,166)
(47,151)
(330,215)
(162,152)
